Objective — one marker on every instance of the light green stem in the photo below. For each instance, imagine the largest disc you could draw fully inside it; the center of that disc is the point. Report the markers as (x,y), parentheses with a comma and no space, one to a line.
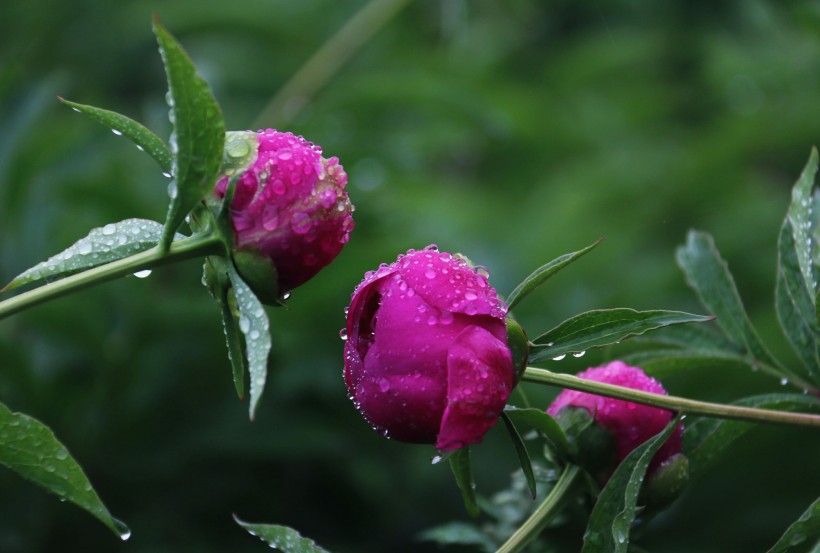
(541,516)
(197,245)
(672,403)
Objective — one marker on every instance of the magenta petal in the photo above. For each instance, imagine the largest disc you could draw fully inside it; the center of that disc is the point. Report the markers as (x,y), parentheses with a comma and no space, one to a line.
(480,377)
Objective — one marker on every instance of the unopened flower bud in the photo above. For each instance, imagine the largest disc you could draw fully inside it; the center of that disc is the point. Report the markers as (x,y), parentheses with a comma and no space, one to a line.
(289,203)
(426,357)
(630,424)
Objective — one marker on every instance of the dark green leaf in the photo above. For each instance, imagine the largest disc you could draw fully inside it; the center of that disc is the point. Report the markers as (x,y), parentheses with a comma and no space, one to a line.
(708,274)
(199,132)
(145,140)
(540,275)
(253,323)
(802,225)
(691,336)
(803,532)
(521,452)
(462,468)
(663,362)
(30,448)
(545,424)
(795,305)
(611,519)
(215,277)
(706,438)
(282,538)
(601,328)
(102,245)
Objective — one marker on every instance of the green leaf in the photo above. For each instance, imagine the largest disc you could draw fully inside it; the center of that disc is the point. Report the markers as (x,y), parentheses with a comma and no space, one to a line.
(609,524)
(708,274)
(802,532)
(462,468)
(215,277)
(800,217)
(706,438)
(459,533)
(199,132)
(281,538)
(603,327)
(102,245)
(540,275)
(543,423)
(795,304)
(521,452)
(145,140)
(691,336)
(253,323)
(665,362)
(30,448)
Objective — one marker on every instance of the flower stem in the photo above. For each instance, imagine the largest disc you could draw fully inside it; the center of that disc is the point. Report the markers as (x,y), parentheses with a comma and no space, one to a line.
(205,243)
(541,516)
(672,403)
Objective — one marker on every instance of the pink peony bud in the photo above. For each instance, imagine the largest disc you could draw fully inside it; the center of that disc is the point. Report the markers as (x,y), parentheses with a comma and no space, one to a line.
(289,204)
(426,357)
(631,424)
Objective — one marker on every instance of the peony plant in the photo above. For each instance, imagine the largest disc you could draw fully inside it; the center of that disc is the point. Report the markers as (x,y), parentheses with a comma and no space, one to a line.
(432,352)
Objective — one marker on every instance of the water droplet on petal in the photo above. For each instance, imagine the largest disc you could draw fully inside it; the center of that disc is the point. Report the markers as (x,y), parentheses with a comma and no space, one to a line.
(430,273)
(384,385)
(343,334)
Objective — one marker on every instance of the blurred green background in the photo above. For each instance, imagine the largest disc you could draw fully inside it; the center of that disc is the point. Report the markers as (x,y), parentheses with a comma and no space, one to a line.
(510,131)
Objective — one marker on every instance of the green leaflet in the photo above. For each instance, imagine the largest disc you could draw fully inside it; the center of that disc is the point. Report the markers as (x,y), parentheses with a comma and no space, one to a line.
(199,132)
(609,524)
(102,245)
(30,448)
(601,328)
(144,139)
(281,538)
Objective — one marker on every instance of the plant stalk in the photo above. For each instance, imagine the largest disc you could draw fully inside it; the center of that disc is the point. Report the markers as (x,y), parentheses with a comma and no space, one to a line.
(198,245)
(541,516)
(672,403)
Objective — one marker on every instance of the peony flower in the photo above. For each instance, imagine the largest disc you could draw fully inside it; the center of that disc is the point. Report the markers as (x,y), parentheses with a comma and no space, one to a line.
(289,204)
(426,356)
(630,424)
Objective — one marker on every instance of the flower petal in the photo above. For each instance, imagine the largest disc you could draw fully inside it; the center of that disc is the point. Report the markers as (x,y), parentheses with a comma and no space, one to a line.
(480,377)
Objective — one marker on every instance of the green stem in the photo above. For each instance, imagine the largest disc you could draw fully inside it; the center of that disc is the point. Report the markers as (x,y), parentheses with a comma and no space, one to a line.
(538,519)
(198,245)
(672,403)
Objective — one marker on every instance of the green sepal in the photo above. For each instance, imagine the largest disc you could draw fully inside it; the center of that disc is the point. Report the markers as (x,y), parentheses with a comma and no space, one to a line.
(547,426)
(462,468)
(593,446)
(521,453)
(241,150)
(540,275)
(258,272)
(215,278)
(667,482)
(519,346)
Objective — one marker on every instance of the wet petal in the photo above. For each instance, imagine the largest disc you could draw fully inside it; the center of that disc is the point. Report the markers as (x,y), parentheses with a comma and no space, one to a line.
(480,377)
